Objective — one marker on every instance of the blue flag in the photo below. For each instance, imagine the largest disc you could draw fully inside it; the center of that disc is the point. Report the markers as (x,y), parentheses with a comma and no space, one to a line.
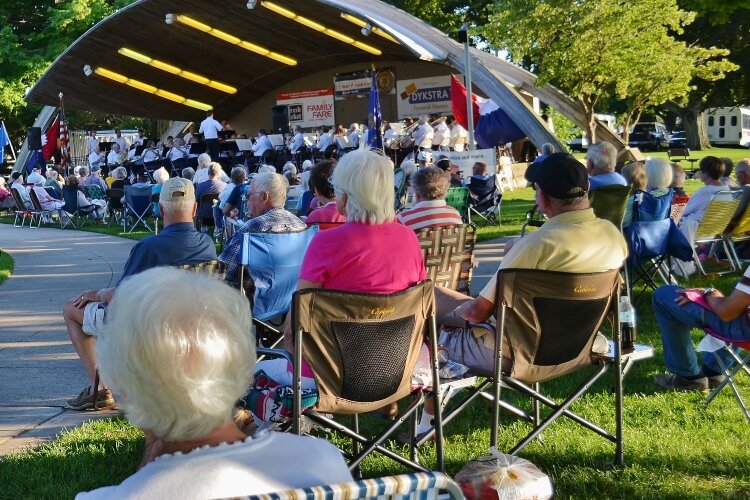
(374,132)
(4,141)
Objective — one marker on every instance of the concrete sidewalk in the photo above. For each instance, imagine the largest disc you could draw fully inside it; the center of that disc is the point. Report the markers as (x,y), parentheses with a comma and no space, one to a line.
(39,368)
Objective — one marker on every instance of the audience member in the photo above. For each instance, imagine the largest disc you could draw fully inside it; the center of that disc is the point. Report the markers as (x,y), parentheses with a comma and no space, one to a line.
(188,173)
(547,149)
(160,176)
(120,174)
(678,184)
(430,187)
(635,175)
(35,176)
(181,392)
(45,200)
(600,163)
(201,175)
(265,205)
(53,181)
(93,208)
(177,243)
(6,200)
(95,179)
(358,256)
(211,186)
(726,179)
(320,182)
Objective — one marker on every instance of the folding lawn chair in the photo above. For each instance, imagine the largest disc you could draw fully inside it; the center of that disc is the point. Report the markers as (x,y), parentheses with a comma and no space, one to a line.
(712,227)
(458,198)
(609,203)
(114,202)
(362,349)
(738,229)
(21,210)
(550,321)
(399,185)
(484,198)
(731,347)
(421,485)
(448,253)
(80,214)
(204,215)
(44,213)
(273,262)
(137,205)
(94,192)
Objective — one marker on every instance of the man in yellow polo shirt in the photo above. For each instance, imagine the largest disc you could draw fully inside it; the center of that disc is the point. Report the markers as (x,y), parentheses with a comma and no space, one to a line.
(572,240)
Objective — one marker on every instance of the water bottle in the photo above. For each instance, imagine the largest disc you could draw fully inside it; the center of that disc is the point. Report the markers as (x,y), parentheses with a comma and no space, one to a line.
(627,323)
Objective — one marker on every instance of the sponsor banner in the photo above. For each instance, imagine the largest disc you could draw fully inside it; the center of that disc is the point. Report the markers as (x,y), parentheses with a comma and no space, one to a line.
(466,159)
(424,96)
(358,83)
(308,108)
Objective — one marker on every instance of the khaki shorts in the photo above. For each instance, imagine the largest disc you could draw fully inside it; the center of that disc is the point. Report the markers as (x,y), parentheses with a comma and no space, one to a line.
(93,318)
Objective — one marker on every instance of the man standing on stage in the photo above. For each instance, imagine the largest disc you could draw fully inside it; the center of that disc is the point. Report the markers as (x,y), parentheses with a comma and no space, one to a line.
(210,129)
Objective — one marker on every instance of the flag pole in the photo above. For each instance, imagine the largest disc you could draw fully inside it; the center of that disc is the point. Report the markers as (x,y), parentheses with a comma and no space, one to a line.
(64,147)
(464,33)
(10,143)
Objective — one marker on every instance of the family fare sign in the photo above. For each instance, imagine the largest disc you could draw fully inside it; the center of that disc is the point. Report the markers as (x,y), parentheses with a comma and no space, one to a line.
(308,108)
(423,96)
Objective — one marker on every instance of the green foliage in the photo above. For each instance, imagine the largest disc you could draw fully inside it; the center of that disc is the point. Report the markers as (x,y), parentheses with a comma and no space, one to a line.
(606,48)
(446,15)
(565,130)
(6,266)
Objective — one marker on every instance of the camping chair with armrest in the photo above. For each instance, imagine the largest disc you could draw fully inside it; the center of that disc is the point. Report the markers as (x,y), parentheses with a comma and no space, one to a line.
(738,229)
(362,349)
(94,192)
(273,262)
(399,186)
(713,225)
(741,362)
(458,198)
(157,216)
(484,198)
(21,211)
(202,220)
(609,202)
(46,214)
(422,485)
(114,202)
(137,205)
(52,192)
(150,167)
(177,165)
(549,321)
(448,253)
(79,213)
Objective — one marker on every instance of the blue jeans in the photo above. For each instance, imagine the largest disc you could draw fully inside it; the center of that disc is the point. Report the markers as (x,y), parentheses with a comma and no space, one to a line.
(676,321)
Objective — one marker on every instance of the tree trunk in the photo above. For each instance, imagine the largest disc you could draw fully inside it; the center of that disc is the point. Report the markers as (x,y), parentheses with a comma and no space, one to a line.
(590,126)
(694,121)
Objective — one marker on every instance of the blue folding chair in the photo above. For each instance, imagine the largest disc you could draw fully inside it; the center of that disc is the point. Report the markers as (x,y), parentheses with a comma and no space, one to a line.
(80,213)
(137,205)
(273,261)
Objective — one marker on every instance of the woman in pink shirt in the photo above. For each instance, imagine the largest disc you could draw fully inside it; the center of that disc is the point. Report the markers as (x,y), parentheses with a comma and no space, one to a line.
(369,253)
(320,183)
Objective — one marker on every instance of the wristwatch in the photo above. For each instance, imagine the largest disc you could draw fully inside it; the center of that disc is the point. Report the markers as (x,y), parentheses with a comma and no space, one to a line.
(709,291)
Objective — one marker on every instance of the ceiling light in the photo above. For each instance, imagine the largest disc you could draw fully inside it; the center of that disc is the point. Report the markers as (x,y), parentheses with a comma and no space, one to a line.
(251,4)
(145,87)
(222,35)
(169,68)
(361,23)
(282,11)
(367,29)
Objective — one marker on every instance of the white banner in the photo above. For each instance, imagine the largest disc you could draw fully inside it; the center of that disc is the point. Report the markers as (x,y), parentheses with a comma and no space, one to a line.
(308,108)
(424,96)
(466,159)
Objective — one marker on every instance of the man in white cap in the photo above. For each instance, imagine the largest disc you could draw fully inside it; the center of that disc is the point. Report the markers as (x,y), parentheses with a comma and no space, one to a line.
(178,243)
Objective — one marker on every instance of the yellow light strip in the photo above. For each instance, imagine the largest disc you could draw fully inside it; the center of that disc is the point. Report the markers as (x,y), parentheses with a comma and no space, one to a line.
(319,27)
(222,35)
(176,71)
(150,89)
(362,23)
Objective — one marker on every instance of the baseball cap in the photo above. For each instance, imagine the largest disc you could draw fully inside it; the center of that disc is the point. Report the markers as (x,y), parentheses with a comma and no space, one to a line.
(177,189)
(560,176)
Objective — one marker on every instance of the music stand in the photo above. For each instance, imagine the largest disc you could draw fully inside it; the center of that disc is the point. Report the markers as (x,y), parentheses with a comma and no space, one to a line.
(244,144)
(105,146)
(139,149)
(226,134)
(197,148)
(277,141)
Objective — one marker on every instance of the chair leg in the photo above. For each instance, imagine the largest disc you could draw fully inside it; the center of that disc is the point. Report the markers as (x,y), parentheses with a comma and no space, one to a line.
(741,364)
(357,471)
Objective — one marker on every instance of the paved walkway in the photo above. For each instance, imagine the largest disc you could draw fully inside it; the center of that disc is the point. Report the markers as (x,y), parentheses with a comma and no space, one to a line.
(39,368)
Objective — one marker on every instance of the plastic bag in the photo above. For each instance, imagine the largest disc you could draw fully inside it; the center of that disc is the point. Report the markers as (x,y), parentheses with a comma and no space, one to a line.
(503,477)
(422,374)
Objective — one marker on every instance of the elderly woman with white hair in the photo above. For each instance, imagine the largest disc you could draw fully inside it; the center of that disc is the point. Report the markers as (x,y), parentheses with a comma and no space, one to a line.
(54,181)
(358,256)
(201,173)
(179,369)
(160,176)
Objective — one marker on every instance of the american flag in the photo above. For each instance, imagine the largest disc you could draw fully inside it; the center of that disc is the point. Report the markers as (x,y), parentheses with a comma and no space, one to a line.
(63,135)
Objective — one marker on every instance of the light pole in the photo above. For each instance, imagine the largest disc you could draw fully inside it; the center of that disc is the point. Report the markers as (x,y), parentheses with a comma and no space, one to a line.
(463,37)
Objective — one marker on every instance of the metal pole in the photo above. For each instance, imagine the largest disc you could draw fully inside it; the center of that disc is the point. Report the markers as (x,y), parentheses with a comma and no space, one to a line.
(469,103)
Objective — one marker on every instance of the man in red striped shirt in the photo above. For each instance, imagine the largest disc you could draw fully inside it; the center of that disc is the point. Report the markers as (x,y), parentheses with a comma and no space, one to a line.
(430,187)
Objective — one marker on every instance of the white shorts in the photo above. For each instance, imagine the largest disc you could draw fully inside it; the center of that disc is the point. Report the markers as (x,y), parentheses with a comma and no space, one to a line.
(93,318)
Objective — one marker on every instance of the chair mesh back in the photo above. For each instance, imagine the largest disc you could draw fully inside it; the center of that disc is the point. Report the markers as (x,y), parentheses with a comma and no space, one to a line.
(566,327)
(609,203)
(362,347)
(373,374)
(551,318)
(717,217)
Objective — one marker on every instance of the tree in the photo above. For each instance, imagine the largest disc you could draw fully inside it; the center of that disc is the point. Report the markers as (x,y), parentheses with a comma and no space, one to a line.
(446,15)
(581,47)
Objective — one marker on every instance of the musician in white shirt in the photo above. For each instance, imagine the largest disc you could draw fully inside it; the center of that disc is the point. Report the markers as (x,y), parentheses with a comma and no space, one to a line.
(423,134)
(113,158)
(140,139)
(189,136)
(354,135)
(262,143)
(120,140)
(458,136)
(442,136)
(325,139)
(96,158)
(210,129)
(92,141)
(297,141)
(150,154)
(388,134)
(178,151)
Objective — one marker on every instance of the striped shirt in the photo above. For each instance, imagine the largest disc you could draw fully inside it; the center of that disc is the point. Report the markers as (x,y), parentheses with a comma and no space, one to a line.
(429,213)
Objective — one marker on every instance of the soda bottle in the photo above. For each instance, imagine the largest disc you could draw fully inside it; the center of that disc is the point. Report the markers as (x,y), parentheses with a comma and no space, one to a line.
(627,323)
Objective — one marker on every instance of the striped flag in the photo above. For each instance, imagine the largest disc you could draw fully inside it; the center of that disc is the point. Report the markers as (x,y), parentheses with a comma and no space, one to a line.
(49,146)
(64,140)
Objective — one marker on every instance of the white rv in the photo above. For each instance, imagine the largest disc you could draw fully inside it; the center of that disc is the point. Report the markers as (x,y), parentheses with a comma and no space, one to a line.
(728,126)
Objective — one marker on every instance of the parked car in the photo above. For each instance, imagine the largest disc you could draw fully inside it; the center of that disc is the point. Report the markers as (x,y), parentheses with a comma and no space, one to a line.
(579,143)
(678,139)
(649,136)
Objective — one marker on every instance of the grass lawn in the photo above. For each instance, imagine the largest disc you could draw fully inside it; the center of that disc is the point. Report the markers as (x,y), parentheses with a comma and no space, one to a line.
(734,154)
(6,266)
(675,447)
